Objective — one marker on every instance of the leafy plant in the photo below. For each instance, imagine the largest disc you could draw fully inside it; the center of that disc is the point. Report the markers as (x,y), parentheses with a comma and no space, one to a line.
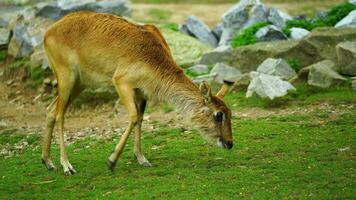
(247,36)
(294,64)
(170,26)
(332,17)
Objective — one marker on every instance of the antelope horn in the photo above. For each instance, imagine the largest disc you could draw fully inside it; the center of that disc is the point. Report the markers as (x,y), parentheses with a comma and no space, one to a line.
(224,89)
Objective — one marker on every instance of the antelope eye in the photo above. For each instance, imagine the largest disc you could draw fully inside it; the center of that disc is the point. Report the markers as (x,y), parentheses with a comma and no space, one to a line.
(219,116)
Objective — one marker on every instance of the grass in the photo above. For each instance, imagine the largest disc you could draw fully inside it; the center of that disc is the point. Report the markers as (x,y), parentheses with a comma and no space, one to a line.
(293,156)
(247,36)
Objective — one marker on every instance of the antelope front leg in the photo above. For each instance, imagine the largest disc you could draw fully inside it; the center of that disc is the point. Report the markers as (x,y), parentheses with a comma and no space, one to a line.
(137,148)
(126,94)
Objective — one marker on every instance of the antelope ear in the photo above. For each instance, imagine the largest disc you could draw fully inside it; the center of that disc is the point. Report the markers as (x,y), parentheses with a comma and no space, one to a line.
(224,89)
(205,90)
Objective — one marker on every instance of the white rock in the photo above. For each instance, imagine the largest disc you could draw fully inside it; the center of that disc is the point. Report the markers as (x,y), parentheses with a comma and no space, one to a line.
(270,33)
(298,33)
(278,18)
(352,1)
(267,86)
(277,67)
(348,21)
(199,69)
(201,31)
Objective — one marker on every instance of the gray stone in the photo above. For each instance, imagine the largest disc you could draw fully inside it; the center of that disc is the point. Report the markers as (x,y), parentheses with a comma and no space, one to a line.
(267,86)
(243,14)
(57,10)
(298,33)
(19,46)
(208,77)
(353,1)
(323,74)
(278,18)
(346,54)
(353,82)
(4,36)
(199,69)
(201,31)
(220,54)
(270,33)
(184,29)
(348,21)
(217,31)
(241,83)
(225,73)
(277,67)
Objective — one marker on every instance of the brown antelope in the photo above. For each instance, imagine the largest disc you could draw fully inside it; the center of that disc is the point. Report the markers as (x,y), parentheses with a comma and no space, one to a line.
(87,49)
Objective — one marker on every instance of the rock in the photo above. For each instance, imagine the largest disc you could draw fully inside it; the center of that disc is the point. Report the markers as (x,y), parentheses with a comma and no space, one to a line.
(184,29)
(225,73)
(322,74)
(353,82)
(243,14)
(324,41)
(348,21)
(346,54)
(199,69)
(4,36)
(19,46)
(208,77)
(277,67)
(38,58)
(201,31)
(298,33)
(267,86)
(352,1)
(217,31)
(185,50)
(270,33)
(241,83)
(278,18)
(221,54)
(57,10)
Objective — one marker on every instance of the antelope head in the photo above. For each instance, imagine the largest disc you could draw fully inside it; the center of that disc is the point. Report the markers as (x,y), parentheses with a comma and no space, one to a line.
(214,117)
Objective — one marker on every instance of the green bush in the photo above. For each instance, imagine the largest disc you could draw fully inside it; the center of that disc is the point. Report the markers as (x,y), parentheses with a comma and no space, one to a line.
(247,36)
(294,64)
(170,26)
(332,17)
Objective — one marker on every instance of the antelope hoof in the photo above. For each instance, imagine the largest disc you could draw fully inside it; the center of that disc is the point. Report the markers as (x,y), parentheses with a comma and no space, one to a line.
(49,165)
(111,164)
(143,161)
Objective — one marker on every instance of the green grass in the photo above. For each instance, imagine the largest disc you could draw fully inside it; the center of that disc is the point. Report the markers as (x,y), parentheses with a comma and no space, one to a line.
(247,36)
(292,157)
(333,16)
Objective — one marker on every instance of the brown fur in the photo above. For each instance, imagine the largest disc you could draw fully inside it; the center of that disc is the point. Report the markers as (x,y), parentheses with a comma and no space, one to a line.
(87,49)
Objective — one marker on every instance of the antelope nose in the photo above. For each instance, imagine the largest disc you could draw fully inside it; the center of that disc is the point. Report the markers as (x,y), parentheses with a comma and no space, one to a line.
(229,144)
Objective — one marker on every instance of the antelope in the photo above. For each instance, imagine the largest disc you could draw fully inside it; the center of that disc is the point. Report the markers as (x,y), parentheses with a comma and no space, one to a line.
(87,49)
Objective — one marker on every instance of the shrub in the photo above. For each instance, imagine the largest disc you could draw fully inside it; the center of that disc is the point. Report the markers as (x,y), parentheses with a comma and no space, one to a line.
(294,64)
(332,17)
(247,36)
(170,26)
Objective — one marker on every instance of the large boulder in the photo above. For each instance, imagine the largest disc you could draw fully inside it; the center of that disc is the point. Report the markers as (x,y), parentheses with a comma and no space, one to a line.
(267,86)
(277,67)
(56,10)
(4,36)
(348,21)
(225,73)
(185,50)
(298,33)
(19,45)
(221,54)
(199,69)
(201,31)
(217,31)
(353,1)
(323,75)
(318,45)
(248,58)
(324,41)
(270,33)
(278,18)
(346,54)
(243,14)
